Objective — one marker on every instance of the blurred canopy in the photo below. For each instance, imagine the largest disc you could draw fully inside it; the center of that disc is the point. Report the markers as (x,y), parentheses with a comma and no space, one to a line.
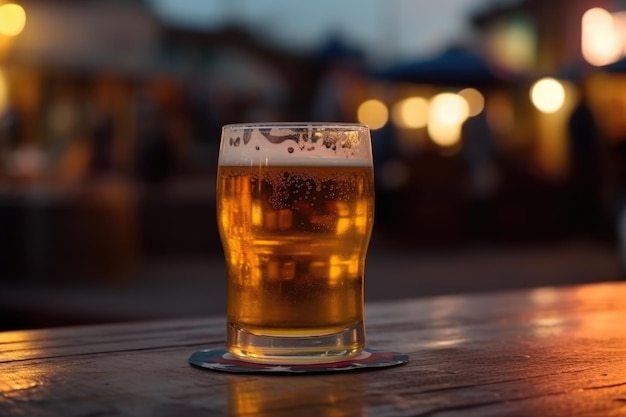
(457,66)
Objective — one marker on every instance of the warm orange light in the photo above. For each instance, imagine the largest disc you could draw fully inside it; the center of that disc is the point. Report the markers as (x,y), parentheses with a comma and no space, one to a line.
(447,113)
(475,100)
(18,383)
(12,19)
(511,43)
(445,135)
(4,92)
(411,113)
(548,95)
(601,41)
(448,108)
(373,113)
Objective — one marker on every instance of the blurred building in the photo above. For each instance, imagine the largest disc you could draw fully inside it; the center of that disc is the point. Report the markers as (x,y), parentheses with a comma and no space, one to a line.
(109,124)
(117,36)
(539,156)
(537,37)
(580,44)
(110,120)
(106,110)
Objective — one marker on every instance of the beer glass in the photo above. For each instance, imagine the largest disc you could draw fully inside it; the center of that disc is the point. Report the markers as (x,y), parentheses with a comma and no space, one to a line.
(295,207)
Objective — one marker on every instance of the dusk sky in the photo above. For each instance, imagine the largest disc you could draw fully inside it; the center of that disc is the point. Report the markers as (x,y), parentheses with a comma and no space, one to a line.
(384,28)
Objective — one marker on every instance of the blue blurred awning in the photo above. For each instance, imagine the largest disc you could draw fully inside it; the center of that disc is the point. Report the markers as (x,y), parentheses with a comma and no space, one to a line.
(455,67)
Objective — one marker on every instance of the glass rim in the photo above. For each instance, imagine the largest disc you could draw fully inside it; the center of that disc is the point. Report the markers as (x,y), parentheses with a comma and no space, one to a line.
(355,126)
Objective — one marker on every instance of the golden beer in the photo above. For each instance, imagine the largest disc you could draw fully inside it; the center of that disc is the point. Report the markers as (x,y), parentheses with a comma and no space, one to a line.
(295,240)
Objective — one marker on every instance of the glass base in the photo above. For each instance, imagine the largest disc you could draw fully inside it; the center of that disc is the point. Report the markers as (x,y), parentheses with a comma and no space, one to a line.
(283,350)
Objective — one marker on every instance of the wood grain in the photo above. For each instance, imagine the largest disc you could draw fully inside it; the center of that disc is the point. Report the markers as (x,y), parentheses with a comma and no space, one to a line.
(548,351)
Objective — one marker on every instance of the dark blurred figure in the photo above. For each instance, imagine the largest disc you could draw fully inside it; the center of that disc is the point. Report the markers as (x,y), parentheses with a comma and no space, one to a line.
(387,163)
(204,123)
(480,156)
(104,228)
(339,85)
(102,160)
(329,103)
(154,153)
(618,164)
(584,188)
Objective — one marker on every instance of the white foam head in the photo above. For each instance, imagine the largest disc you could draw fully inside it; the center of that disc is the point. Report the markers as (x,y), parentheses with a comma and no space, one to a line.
(292,144)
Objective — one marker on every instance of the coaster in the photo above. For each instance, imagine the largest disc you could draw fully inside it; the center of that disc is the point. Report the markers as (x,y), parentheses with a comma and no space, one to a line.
(221,360)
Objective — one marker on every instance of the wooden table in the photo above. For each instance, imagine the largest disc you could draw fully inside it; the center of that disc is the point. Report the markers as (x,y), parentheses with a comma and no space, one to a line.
(541,352)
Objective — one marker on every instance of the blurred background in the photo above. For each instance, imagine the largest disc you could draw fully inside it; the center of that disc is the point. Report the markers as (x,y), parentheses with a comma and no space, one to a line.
(499,133)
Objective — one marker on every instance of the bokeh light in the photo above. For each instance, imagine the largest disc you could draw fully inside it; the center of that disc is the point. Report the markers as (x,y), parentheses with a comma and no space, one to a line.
(475,100)
(512,43)
(547,95)
(411,113)
(448,108)
(447,113)
(12,19)
(601,42)
(373,113)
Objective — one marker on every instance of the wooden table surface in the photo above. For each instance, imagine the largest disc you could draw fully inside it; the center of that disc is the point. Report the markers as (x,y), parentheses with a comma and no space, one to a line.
(541,352)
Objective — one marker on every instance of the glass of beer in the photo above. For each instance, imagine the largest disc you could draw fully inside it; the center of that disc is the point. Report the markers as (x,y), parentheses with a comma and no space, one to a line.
(295,207)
